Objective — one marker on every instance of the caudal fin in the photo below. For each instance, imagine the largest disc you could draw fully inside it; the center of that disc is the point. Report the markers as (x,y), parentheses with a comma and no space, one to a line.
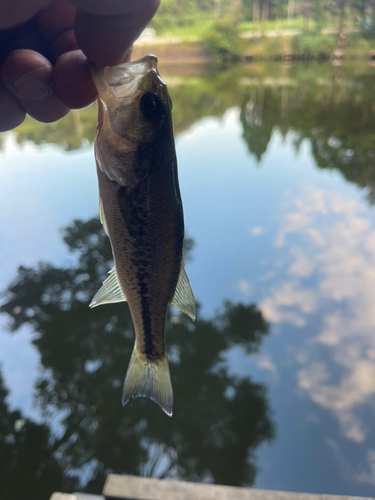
(150,379)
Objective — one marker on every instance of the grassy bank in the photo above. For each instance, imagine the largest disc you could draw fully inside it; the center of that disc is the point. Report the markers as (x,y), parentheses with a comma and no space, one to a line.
(197,27)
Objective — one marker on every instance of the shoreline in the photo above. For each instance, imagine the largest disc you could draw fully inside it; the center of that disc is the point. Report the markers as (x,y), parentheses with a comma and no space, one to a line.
(174,52)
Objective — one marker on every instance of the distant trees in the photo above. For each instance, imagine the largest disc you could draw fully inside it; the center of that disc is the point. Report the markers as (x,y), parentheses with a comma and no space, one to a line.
(311,15)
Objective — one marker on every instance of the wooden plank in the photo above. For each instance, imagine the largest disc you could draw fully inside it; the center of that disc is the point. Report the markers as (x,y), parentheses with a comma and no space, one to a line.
(139,488)
(62,496)
(75,496)
(86,496)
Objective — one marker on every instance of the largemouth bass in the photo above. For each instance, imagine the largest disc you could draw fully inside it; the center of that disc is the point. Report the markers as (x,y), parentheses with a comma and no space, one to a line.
(141,211)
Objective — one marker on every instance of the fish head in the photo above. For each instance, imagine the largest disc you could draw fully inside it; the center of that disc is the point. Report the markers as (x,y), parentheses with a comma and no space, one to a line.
(134,113)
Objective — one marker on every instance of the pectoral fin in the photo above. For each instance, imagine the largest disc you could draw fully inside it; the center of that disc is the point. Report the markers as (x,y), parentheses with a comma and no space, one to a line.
(110,292)
(183,297)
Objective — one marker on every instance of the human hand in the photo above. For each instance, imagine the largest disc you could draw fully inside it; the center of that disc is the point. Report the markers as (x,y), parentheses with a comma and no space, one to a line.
(45,46)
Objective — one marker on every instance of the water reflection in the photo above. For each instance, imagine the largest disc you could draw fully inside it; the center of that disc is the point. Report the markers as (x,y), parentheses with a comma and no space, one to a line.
(328,239)
(219,421)
(77,129)
(28,467)
(296,240)
(330,106)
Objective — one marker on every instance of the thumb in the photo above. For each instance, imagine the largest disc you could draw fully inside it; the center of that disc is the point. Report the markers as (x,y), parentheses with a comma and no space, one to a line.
(106,31)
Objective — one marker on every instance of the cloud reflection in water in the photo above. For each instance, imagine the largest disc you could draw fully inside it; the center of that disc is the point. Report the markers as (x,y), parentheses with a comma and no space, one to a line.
(330,242)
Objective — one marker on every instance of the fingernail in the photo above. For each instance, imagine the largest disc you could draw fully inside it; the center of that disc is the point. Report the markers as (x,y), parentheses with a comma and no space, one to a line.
(33,86)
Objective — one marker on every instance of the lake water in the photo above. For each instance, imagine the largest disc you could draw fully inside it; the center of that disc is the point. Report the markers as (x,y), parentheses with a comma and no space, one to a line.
(275,385)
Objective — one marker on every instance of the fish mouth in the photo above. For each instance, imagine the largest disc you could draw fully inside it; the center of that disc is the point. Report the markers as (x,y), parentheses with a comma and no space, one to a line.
(126,72)
(122,81)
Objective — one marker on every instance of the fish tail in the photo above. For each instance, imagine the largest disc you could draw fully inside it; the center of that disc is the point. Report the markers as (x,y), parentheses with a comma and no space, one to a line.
(148,378)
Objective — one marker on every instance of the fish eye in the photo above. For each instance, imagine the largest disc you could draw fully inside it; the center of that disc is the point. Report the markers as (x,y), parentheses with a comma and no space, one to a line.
(151,106)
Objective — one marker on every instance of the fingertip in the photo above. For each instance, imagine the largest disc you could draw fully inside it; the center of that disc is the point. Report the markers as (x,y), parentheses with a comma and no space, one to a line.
(27,76)
(56,23)
(21,61)
(12,114)
(72,80)
(66,42)
(49,111)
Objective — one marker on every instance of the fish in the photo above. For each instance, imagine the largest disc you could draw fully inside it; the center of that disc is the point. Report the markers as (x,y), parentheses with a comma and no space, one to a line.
(141,212)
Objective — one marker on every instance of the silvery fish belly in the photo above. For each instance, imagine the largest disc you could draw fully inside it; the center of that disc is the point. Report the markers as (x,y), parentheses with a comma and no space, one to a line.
(141,211)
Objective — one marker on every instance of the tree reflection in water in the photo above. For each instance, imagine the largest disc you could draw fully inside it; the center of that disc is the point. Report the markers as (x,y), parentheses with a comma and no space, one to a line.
(332,108)
(28,467)
(219,420)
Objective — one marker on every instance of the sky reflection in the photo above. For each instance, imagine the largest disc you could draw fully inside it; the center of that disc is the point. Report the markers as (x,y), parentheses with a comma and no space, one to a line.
(331,241)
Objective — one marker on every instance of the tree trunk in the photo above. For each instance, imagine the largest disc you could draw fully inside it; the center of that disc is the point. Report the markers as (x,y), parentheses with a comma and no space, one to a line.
(290,11)
(309,9)
(341,23)
(350,20)
(341,17)
(255,11)
(305,14)
(265,10)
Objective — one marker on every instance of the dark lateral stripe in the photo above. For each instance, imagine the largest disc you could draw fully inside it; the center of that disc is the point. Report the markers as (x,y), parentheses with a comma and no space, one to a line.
(149,347)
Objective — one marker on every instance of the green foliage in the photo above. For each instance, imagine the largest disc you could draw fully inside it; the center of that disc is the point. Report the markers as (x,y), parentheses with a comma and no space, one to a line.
(267,47)
(223,41)
(273,24)
(357,47)
(192,21)
(71,132)
(368,30)
(328,107)
(173,14)
(313,46)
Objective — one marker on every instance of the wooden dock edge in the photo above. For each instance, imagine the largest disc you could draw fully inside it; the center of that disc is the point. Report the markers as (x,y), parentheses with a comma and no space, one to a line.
(140,488)
(75,496)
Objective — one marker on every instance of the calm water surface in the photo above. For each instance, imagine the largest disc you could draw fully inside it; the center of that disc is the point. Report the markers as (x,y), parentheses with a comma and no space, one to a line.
(275,385)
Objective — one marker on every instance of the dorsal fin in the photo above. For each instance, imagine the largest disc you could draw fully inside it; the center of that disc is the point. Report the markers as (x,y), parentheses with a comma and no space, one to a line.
(110,292)
(183,297)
